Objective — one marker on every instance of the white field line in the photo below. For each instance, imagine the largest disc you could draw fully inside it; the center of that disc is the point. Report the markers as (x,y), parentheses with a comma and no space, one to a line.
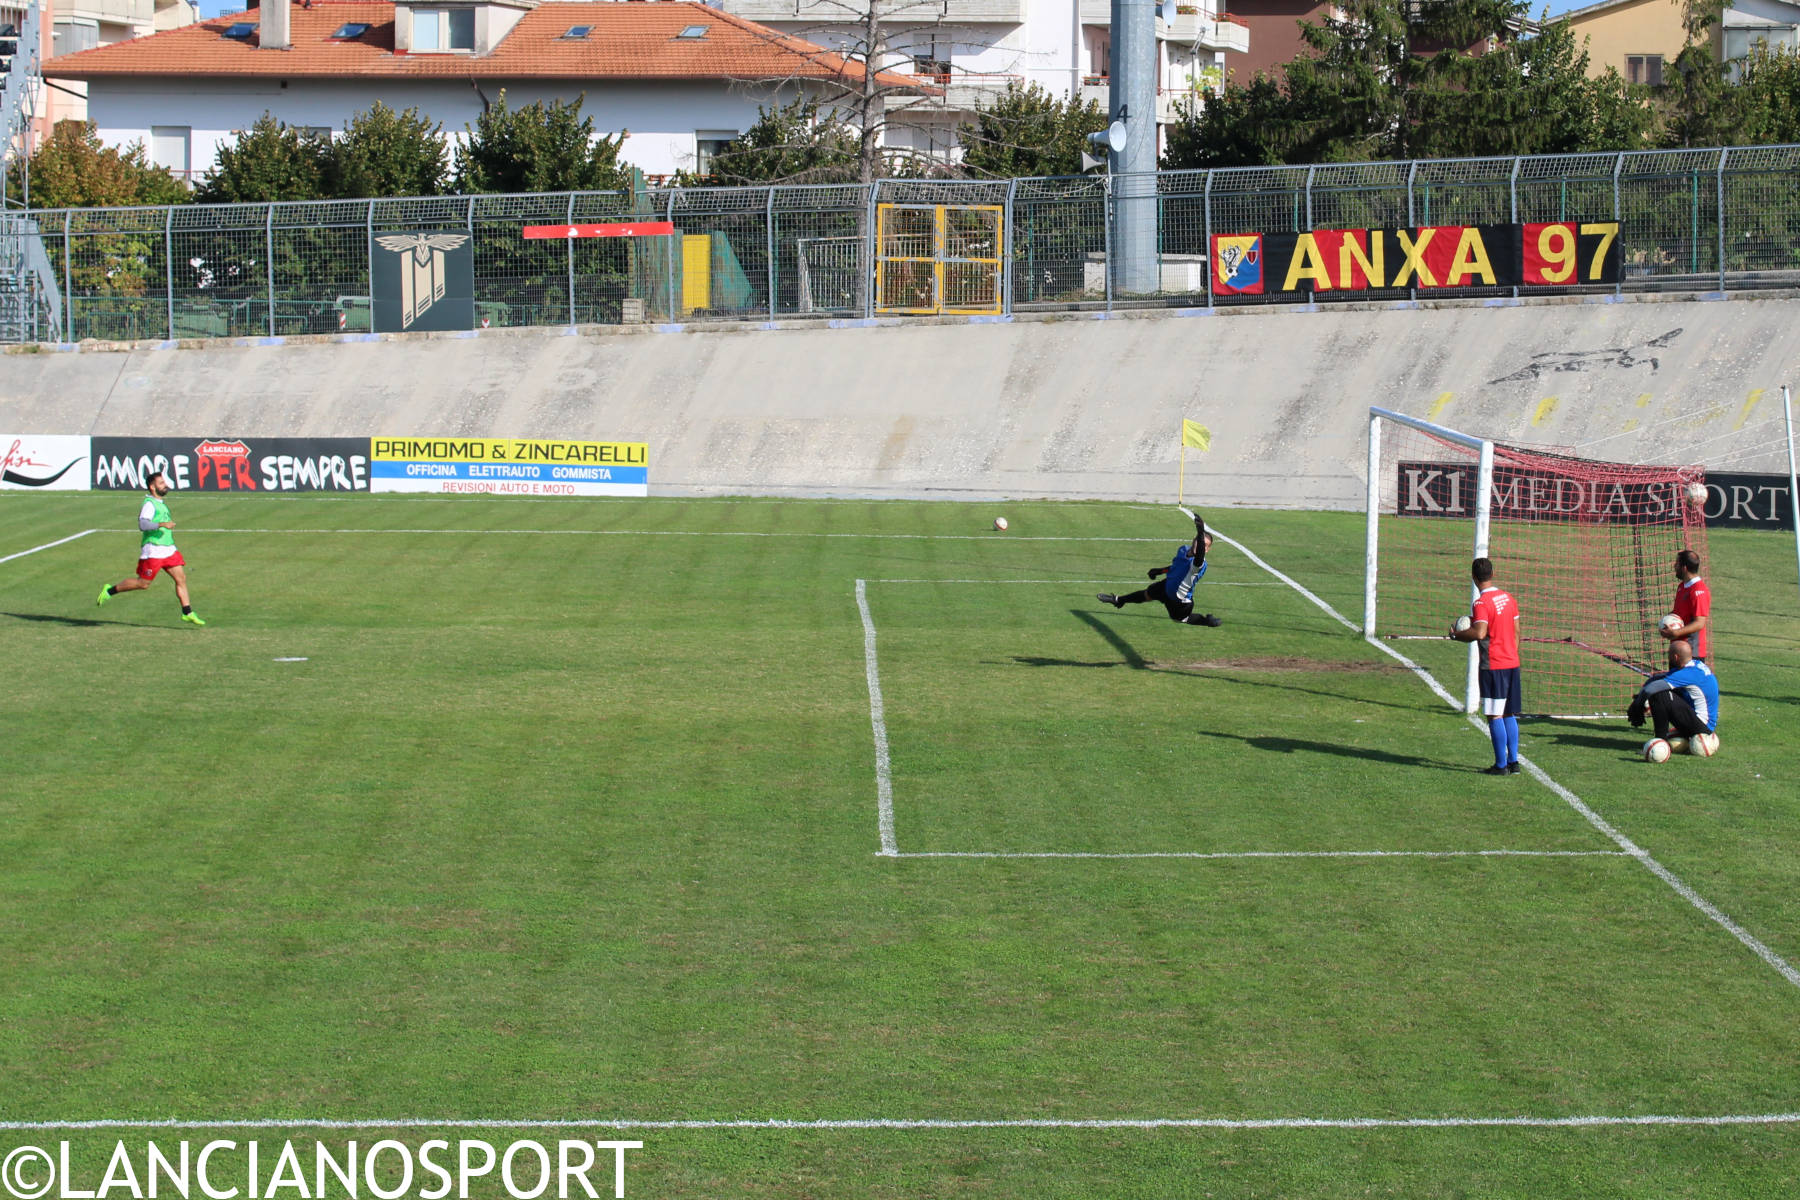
(1586,1122)
(1081,582)
(884,782)
(1711,911)
(867,537)
(1266,854)
(48,545)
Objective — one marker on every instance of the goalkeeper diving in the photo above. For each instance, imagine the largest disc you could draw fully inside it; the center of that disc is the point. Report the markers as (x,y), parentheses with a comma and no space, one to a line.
(1175,583)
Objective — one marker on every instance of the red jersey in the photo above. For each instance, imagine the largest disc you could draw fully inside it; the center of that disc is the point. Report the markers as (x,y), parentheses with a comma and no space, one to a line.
(1692,599)
(1500,648)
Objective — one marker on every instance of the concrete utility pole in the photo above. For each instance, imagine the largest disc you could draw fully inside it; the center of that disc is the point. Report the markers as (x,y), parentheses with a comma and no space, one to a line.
(1132,100)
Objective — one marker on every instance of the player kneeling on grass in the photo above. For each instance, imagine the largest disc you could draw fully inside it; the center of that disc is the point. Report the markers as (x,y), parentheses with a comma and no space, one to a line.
(1683,701)
(1174,586)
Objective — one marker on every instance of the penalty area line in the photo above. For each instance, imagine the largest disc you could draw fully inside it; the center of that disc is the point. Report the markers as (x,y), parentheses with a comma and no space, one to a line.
(48,545)
(926,1123)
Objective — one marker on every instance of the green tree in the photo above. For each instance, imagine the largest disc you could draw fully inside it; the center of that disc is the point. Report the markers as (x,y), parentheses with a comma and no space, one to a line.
(385,153)
(1770,99)
(1700,106)
(789,143)
(73,170)
(269,161)
(1387,79)
(538,148)
(1026,132)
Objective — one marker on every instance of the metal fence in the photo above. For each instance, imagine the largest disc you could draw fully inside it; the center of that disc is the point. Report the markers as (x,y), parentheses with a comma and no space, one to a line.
(1690,220)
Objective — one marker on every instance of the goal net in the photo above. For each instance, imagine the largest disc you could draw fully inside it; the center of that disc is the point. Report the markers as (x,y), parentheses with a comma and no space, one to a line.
(1587,548)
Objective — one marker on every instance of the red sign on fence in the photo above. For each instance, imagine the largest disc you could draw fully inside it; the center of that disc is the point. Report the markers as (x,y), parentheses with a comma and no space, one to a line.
(614,229)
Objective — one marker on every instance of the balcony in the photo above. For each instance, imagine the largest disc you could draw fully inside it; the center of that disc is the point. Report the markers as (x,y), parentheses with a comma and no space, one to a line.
(965,91)
(897,12)
(1191,25)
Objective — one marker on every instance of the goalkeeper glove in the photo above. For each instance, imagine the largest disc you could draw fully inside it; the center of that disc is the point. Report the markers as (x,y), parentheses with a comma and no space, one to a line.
(1153,572)
(1635,714)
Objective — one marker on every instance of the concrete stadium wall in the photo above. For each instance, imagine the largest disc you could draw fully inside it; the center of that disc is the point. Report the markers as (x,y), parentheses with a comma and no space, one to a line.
(1055,406)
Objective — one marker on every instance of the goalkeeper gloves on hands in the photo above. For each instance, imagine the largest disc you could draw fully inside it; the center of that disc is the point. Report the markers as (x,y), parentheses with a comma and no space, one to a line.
(1635,714)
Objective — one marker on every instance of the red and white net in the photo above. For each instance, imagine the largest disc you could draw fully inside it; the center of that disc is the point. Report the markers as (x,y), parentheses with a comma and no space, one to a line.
(1587,548)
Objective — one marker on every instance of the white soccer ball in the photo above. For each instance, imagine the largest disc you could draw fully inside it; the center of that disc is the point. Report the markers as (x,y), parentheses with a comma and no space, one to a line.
(1656,750)
(1000,523)
(1703,745)
(1671,621)
(1678,745)
(1460,624)
(1696,494)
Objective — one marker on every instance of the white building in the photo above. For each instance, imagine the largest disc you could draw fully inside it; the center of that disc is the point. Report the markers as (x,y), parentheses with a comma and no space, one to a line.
(678,76)
(972,49)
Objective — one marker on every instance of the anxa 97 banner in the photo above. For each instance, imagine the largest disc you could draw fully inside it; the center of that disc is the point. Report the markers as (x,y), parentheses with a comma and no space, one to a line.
(1551,254)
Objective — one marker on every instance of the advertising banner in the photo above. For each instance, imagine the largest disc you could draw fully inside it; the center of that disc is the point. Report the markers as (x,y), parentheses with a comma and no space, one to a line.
(1441,489)
(422,279)
(509,466)
(1550,254)
(45,462)
(233,464)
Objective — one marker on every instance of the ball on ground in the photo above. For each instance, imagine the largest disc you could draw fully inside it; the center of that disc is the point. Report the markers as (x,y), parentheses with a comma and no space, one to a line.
(1703,745)
(1656,750)
(1000,523)
(1696,494)
(1671,621)
(1678,745)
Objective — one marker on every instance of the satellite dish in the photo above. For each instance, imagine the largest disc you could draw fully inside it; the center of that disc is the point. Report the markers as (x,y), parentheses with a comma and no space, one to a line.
(1165,12)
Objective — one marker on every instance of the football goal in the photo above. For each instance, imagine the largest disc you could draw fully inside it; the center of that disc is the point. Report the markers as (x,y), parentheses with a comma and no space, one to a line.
(1587,548)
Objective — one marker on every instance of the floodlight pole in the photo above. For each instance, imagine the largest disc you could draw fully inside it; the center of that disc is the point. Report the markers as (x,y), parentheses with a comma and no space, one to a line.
(1131,99)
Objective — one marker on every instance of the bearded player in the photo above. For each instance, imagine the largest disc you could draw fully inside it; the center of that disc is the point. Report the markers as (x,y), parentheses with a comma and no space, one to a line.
(157,551)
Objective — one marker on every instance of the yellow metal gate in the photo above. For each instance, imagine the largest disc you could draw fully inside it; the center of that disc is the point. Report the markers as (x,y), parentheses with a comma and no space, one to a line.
(938,258)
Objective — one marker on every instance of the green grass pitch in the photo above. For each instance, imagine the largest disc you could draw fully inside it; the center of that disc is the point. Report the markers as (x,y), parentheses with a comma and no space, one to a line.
(575,811)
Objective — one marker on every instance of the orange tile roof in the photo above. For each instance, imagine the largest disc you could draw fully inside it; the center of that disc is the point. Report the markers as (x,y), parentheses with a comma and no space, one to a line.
(629,41)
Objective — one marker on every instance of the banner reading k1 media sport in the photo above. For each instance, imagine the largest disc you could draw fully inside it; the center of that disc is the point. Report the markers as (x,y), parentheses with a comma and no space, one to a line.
(1551,254)
(233,464)
(509,466)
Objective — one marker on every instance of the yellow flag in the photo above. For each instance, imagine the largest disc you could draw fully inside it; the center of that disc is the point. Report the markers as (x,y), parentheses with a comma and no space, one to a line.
(1195,435)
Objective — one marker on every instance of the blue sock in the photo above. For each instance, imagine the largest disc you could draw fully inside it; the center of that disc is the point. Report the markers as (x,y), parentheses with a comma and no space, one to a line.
(1512,738)
(1497,734)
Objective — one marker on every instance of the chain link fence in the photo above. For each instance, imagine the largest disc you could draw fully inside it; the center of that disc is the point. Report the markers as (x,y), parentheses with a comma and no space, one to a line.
(1689,220)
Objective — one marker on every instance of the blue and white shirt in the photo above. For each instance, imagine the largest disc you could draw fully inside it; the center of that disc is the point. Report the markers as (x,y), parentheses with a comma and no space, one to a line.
(1695,686)
(1184,573)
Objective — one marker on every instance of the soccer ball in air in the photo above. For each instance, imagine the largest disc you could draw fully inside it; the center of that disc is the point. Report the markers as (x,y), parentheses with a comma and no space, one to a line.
(1461,623)
(1703,745)
(1000,523)
(1672,622)
(1656,750)
(1696,494)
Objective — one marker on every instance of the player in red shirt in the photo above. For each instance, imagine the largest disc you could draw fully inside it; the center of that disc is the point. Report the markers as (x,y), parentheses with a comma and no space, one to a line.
(1693,604)
(1494,626)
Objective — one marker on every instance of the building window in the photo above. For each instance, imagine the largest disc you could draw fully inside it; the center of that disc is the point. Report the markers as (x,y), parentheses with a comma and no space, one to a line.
(708,145)
(1644,68)
(68,37)
(350,29)
(443,29)
(169,148)
(933,62)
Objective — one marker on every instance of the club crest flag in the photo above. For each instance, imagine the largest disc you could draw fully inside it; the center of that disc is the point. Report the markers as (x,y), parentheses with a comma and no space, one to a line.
(1237,264)
(1195,435)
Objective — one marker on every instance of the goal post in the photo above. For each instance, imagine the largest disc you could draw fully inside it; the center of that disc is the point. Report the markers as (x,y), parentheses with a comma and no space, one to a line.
(1587,547)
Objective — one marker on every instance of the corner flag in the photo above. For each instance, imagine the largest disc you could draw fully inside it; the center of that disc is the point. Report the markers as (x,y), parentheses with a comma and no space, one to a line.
(1198,436)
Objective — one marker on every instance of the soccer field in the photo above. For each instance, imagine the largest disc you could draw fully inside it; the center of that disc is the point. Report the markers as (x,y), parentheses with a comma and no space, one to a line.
(852,849)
